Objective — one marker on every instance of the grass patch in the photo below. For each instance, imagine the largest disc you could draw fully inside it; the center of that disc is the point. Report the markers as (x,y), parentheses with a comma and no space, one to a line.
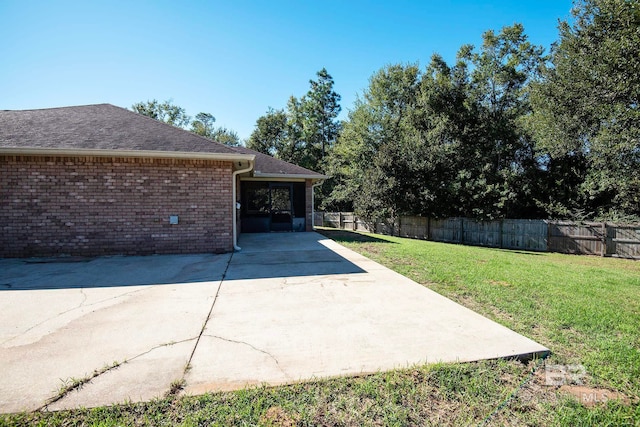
(585,309)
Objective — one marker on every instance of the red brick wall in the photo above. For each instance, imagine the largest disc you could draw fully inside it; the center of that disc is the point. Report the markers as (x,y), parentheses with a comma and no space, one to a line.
(98,206)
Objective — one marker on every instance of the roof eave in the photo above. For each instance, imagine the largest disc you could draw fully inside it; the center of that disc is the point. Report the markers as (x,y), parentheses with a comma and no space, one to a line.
(72,152)
(317,177)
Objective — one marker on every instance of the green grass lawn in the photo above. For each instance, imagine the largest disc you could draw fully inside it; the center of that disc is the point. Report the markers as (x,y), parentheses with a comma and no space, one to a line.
(585,309)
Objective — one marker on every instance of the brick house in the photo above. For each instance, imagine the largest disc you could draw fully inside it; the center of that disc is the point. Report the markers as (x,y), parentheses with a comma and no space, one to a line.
(100,179)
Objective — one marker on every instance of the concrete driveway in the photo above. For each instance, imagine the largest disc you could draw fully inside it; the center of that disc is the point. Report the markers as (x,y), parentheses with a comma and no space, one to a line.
(288,307)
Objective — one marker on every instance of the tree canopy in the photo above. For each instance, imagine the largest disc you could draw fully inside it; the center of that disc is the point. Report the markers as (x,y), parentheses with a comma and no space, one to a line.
(446,141)
(202,124)
(587,110)
(505,131)
(305,132)
(165,112)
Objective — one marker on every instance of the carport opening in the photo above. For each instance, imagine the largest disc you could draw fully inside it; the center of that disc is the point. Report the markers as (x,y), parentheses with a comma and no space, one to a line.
(272,206)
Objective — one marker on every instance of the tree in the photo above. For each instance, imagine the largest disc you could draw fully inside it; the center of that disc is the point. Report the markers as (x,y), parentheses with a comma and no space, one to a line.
(366,162)
(270,134)
(498,156)
(447,141)
(587,109)
(306,131)
(226,136)
(203,125)
(320,109)
(163,111)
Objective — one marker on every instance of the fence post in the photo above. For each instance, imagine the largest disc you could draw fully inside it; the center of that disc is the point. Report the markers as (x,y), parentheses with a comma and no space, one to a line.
(501,245)
(340,222)
(462,230)
(428,236)
(604,239)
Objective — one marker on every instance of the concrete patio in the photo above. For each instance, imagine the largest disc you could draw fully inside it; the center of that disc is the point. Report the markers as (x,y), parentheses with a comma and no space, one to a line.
(288,307)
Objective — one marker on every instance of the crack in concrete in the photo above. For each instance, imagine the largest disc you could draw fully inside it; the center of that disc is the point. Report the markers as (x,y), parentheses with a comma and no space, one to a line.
(159,346)
(107,299)
(275,359)
(195,269)
(84,298)
(283,284)
(77,384)
(62,313)
(204,325)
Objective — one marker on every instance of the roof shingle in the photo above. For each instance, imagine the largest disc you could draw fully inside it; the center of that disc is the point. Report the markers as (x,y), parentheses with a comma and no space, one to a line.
(107,127)
(268,165)
(98,127)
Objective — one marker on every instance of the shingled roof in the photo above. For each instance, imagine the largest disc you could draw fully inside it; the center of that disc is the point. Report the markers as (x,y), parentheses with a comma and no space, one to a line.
(98,127)
(270,167)
(105,127)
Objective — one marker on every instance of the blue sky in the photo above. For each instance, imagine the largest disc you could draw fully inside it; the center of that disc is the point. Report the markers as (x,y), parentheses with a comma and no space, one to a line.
(236,58)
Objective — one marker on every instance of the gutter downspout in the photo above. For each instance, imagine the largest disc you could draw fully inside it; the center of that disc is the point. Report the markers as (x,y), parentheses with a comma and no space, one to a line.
(313,202)
(234,208)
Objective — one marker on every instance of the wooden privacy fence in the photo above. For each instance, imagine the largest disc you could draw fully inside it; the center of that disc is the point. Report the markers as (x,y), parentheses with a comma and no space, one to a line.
(592,238)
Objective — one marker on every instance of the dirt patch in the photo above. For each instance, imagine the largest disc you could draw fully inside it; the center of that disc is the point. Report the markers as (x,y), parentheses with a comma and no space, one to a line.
(499,283)
(370,247)
(276,416)
(590,396)
(537,391)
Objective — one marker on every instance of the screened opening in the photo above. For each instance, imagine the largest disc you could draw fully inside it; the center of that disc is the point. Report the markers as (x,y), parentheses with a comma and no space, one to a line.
(272,206)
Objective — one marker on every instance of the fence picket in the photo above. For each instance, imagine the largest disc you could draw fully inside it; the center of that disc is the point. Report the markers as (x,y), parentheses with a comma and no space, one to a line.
(591,238)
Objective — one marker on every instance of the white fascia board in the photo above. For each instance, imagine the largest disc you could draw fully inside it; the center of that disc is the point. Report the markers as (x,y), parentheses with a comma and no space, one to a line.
(258,174)
(248,177)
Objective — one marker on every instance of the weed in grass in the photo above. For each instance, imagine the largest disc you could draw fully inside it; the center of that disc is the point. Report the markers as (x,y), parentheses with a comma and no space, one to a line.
(176,387)
(277,417)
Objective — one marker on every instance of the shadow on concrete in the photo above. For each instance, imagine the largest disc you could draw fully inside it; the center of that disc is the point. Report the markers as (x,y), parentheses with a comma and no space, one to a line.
(266,255)
(111,271)
(271,255)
